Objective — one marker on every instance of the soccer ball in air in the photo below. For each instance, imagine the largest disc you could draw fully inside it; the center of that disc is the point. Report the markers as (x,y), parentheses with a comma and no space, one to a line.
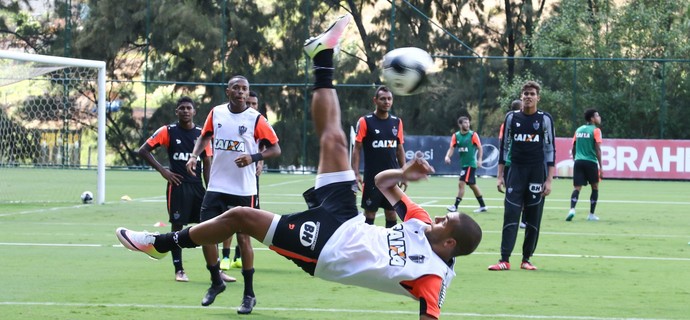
(405,70)
(86,197)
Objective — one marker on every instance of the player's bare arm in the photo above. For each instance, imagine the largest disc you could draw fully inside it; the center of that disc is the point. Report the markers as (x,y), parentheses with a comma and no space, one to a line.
(400,153)
(414,170)
(270,152)
(355,163)
(199,147)
(145,153)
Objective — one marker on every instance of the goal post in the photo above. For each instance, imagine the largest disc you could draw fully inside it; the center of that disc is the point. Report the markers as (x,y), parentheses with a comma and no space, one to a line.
(50,64)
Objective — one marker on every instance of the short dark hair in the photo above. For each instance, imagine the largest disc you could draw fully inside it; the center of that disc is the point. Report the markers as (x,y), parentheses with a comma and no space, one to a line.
(467,235)
(253,94)
(236,77)
(379,89)
(531,85)
(463,118)
(184,99)
(589,114)
(516,105)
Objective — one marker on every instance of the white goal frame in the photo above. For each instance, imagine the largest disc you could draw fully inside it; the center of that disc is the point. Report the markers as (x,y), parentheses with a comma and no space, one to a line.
(100,65)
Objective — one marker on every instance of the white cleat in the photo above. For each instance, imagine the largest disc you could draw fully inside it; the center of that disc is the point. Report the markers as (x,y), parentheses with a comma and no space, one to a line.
(139,241)
(329,39)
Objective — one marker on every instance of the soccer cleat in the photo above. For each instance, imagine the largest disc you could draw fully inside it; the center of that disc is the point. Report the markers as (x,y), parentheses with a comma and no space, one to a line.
(139,241)
(248,303)
(226,278)
(211,294)
(592,217)
(500,266)
(329,39)
(527,266)
(452,208)
(481,209)
(225,264)
(571,215)
(180,276)
(237,264)
(523,225)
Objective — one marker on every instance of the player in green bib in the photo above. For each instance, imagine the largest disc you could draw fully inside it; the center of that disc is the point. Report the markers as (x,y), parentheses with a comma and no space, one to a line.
(468,145)
(587,169)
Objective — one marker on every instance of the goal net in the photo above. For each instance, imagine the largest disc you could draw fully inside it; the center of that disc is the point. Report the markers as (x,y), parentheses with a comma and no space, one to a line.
(52,124)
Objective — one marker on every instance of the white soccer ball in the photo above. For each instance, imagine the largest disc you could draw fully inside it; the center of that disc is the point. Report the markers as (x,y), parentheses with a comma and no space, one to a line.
(86,197)
(405,70)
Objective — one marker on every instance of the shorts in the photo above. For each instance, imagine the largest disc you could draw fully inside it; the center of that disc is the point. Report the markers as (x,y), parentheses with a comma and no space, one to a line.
(468,175)
(373,199)
(215,203)
(301,236)
(524,184)
(184,202)
(585,171)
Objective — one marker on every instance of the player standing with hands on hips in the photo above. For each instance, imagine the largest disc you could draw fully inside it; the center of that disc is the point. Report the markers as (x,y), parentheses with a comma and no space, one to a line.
(528,140)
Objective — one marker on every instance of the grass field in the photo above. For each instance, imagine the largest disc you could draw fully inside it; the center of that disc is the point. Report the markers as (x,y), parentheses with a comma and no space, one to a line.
(62,260)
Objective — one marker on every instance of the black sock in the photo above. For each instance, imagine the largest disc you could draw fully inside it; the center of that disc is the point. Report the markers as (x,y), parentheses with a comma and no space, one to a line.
(238,254)
(323,69)
(177,258)
(214,270)
(391,223)
(369,221)
(167,241)
(457,201)
(481,201)
(226,253)
(248,276)
(573,198)
(593,200)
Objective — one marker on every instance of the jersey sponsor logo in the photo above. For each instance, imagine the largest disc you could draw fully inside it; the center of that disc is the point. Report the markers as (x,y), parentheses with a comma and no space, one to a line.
(525,137)
(396,246)
(385,144)
(242,130)
(184,156)
(309,231)
(463,149)
(229,145)
(535,187)
(583,135)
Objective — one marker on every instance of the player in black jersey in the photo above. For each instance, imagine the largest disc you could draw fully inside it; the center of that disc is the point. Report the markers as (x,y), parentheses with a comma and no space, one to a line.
(528,141)
(380,134)
(184,192)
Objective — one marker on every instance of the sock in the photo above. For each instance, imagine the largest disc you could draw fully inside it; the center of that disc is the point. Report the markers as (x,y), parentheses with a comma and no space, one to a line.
(457,201)
(481,201)
(237,253)
(226,253)
(177,258)
(323,69)
(369,221)
(573,198)
(391,223)
(593,200)
(168,241)
(214,270)
(248,276)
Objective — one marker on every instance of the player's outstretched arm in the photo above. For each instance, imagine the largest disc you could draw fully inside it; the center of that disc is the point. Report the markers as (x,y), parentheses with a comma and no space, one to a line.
(414,170)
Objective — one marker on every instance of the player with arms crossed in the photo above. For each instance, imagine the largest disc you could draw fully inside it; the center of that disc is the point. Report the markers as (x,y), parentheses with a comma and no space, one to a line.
(468,144)
(184,191)
(330,240)
(380,134)
(587,153)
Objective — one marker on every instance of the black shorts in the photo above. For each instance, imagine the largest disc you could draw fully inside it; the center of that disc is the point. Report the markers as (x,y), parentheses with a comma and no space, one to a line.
(184,202)
(584,172)
(301,236)
(469,175)
(373,199)
(524,184)
(215,203)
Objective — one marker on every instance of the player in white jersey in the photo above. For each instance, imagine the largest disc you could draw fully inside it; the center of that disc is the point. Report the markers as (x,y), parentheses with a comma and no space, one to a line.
(236,131)
(330,240)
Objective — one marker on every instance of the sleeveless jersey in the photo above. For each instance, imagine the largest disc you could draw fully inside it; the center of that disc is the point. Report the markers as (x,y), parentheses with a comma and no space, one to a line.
(235,134)
(179,143)
(380,139)
(467,145)
(530,139)
(585,140)
(396,260)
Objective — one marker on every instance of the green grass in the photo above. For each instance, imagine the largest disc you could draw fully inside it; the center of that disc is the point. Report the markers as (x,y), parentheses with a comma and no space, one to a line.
(62,260)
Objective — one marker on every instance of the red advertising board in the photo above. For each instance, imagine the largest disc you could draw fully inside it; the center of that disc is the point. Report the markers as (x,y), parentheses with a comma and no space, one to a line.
(633,158)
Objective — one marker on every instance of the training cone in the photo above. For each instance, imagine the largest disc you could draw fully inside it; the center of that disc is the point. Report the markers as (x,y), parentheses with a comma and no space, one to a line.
(125,198)
(159,224)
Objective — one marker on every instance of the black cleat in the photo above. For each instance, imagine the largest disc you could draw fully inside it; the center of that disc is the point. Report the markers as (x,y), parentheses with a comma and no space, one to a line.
(248,303)
(211,294)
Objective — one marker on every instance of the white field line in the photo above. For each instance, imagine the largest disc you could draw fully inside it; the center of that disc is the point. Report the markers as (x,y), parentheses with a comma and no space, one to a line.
(586,256)
(317,310)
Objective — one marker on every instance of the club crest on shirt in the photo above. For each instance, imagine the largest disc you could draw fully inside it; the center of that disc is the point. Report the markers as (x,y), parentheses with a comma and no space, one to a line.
(395,131)
(242,130)
(417,258)
(535,125)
